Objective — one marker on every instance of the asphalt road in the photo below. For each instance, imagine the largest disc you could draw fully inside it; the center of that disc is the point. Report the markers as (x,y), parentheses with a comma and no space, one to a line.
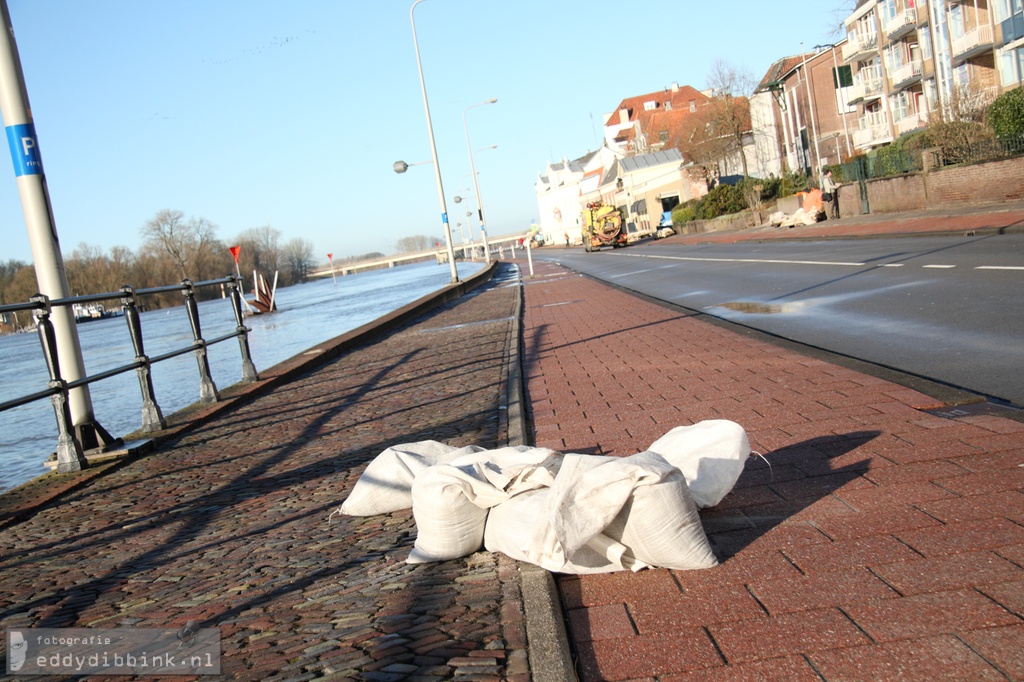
(950,309)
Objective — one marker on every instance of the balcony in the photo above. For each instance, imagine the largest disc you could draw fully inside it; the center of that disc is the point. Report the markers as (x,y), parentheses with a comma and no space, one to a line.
(872,130)
(859,46)
(906,75)
(900,25)
(911,122)
(974,42)
(867,85)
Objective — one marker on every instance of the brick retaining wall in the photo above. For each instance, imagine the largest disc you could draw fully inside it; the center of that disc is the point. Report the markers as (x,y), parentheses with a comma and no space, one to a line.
(994,181)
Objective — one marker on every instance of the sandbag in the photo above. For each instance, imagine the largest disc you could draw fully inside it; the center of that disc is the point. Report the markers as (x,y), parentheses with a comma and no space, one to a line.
(521,528)
(641,502)
(386,483)
(711,455)
(450,501)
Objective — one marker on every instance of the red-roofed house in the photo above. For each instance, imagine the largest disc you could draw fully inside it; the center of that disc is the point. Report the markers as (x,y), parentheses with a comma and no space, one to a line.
(655,121)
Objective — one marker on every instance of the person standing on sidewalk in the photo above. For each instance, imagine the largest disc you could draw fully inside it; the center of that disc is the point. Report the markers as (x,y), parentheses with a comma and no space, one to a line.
(829,192)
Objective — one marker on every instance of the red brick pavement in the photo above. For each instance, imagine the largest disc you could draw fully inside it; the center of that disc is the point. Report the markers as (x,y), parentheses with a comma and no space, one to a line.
(883,543)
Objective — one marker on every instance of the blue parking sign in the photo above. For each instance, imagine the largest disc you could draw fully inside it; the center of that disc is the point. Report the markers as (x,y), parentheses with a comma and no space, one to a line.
(24,149)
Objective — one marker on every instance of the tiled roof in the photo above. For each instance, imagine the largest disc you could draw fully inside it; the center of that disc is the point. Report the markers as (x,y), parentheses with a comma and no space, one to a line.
(675,118)
(633,163)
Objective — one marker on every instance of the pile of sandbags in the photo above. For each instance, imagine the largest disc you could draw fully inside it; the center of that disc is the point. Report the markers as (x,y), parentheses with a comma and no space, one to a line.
(567,513)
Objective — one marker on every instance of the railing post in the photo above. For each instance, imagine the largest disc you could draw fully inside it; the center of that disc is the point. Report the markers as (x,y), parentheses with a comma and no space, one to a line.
(207,389)
(152,417)
(69,451)
(248,368)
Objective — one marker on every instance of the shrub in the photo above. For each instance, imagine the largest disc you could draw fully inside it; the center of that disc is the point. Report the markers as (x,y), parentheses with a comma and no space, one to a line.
(722,200)
(684,213)
(1006,114)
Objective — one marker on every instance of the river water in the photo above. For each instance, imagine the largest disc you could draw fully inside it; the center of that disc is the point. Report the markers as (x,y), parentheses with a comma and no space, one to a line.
(307,314)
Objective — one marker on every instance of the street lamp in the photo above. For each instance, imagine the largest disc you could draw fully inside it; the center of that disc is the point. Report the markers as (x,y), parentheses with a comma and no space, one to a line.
(476,183)
(433,152)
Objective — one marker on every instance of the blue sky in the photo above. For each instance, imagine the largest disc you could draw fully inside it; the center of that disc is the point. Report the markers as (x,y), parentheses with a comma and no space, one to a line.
(291,113)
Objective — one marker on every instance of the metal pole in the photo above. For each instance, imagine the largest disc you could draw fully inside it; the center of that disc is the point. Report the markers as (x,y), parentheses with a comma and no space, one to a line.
(42,231)
(846,129)
(810,105)
(476,183)
(433,152)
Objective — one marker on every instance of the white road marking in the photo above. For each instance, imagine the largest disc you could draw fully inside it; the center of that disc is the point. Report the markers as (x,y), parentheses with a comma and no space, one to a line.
(999,267)
(940,267)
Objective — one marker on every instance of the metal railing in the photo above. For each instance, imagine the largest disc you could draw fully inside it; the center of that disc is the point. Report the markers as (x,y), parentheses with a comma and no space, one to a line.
(68,446)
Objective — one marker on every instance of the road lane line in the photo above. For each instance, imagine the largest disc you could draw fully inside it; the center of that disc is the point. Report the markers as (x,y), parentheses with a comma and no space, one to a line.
(1000,267)
(746,260)
(939,267)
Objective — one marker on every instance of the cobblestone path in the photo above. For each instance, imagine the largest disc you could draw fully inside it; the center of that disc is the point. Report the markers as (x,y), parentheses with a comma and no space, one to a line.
(228,525)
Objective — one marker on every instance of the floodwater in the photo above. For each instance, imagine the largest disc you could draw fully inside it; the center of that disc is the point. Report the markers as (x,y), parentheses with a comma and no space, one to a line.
(307,315)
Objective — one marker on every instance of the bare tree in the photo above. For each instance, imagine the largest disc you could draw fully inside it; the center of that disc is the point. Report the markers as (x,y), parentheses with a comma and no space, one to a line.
(724,121)
(416,243)
(297,257)
(260,250)
(186,242)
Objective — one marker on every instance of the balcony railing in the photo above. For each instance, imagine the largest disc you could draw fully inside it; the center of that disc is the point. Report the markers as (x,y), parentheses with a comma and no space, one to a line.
(911,122)
(867,84)
(901,24)
(872,129)
(857,44)
(906,74)
(973,42)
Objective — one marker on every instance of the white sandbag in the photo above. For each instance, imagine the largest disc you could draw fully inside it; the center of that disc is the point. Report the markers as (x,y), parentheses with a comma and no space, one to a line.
(386,483)
(661,527)
(521,528)
(450,501)
(711,454)
(641,501)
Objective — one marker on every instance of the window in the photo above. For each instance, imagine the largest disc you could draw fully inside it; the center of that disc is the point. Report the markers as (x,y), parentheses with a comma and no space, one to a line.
(663,136)
(693,105)
(924,36)
(842,79)
(900,108)
(962,74)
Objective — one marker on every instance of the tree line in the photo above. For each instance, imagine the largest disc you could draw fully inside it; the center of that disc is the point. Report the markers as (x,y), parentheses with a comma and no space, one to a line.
(173,248)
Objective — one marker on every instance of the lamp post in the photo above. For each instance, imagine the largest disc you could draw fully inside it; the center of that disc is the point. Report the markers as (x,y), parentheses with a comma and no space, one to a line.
(476,183)
(433,152)
(810,105)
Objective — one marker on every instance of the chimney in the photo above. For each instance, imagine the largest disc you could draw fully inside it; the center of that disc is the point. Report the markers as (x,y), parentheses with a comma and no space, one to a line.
(623,115)
(675,87)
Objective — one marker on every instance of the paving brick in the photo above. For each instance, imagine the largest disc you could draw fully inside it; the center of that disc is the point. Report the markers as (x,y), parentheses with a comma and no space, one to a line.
(820,590)
(694,607)
(966,536)
(1002,647)
(925,615)
(977,569)
(935,658)
(600,622)
(1009,504)
(633,658)
(869,551)
(796,633)
(1009,595)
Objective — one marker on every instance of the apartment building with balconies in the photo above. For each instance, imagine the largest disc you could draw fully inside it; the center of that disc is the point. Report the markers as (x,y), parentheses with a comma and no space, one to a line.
(912,58)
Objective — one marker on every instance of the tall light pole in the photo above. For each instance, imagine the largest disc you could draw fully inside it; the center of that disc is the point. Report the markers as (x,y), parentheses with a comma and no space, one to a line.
(810,105)
(476,182)
(433,152)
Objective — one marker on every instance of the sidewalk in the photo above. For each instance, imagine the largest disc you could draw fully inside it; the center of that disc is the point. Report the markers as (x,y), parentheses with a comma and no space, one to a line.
(962,220)
(226,524)
(884,543)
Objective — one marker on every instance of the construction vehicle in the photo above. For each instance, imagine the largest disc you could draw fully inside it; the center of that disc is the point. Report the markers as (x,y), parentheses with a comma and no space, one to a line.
(602,226)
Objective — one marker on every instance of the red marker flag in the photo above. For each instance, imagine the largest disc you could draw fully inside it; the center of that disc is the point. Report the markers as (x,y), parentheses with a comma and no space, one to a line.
(234,252)
(330,256)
